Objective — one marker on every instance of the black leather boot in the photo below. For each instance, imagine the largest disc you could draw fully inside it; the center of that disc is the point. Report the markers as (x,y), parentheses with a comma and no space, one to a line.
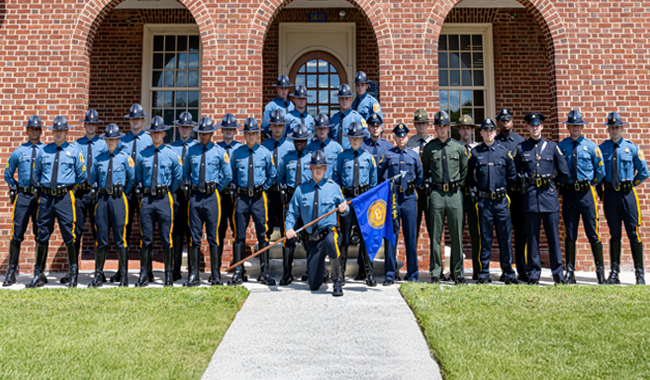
(370,278)
(143,280)
(599,261)
(615,257)
(178,257)
(77,247)
(193,278)
(362,274)
(335,266)
(73,260)
(167,258)
(264,277)
(343,260)
(123,270)
(637,257)
(14,252)
(44,260)
(215,265)
(287,261)
(39,276)
(238,255)
(570,255)
(100,255)
(150,266)
(117,276)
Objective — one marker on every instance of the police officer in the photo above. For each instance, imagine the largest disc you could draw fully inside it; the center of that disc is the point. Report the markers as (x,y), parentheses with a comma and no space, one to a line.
(356,173)
(365,104)
(58,170)
(397,160)
(253,172)
(625,168)
(509,139)
(346,116)
(280,102)
(299,115)
(491,168)
(445,166)
(331,148)
(374,143)
(207,169)
(466,127)
(134,142)
(25,201)
(158,173)
(112,176)
(310,201)
(181,230)
(293,171)
(538,160)
(586,166)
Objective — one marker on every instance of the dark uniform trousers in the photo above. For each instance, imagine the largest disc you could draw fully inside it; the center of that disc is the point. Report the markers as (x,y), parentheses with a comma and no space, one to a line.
(111,213)
(406,213)
(25,208)
(64,209)
(275,213)
(346,222)
(245,207)
(471,219)
(443,204)
(519,227)
(227,217)
(491,214)
(622,207)
(204,209)
(423,207)
(534,222)
(156,210)
(85,205)
(181,220)
(576,203)
(316,253)
(133,207)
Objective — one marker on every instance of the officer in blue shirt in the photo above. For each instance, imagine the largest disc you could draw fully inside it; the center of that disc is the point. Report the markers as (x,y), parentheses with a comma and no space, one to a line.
(625,168)
(331,148)
(310,201)
(355,172)
(365,104)
(299,115)
(346,116)
(293,171)
(509,139)
(281,102)
(158,173)
(374,143)
(25,195)
(279,146)
(253,172)
(540,164)
(133,143)
(207,169)
(181,230)
(397,160)
(490,169)
(585,163)
(59,168)
(112,176)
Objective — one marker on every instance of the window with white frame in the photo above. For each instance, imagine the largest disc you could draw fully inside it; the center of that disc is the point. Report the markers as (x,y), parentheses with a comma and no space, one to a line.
(171,72)
(466,72)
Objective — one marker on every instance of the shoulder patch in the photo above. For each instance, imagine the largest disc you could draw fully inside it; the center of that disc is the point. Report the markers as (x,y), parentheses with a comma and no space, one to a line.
(7,166)
(83,168)
(558,149)
(180,161)
(373,161)
(510,155)
(363,122)
(131,163)
(598,154)
(81,157)
(375,108)
(226,158)
(641,157)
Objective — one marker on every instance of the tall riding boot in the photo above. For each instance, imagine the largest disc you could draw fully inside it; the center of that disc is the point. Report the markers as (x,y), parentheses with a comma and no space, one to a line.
(143,280)
(370,278)
(343,260)
(264,277)
(193,278)
(362,274)
(599,261)
(39,276)
(73,259)
(167,258)
(77,247)
(44,260)
(100,255)
(237,255)
(117,276)
(123,260)
(150,266)
(178,256)
(14,252)
(570,255)
(215,265)
(637,257)
(615,258)
(335,266)
(287,261)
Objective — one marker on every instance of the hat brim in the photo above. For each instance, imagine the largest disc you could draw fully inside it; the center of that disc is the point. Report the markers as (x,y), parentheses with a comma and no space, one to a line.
(164,129)
(368,81)
(192,124)
(119,136)
(504,118)
(457,125)
(33,126)
(534,123)
(60,129)
(365,134)
(574,123)
(91,122)
(137,116)
(229,126)
(300,138)
(420,121)
(401,134)
(615,124)
(252,130)
(301,96)
(278,122)
(441,123)
(197,130)
(321,164)
(324,126)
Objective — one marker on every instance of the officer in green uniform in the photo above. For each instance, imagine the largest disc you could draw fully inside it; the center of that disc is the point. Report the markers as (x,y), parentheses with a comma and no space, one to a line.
(445,166)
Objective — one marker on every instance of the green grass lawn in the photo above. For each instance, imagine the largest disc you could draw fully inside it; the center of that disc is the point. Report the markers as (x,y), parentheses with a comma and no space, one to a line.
(523,332)
(113,333)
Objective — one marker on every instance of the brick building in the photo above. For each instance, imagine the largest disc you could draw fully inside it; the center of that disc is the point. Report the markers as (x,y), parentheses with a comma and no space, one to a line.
(214,56)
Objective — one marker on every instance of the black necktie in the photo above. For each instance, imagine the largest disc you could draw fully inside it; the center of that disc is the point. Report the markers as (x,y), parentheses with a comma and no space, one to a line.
(615,181)
(109,175)
(184,151)
(340,136)
(422,141)
(154,176)
(314,215)
(286,107)
(322,147)
(275,153)
(89,158)
(374,151)
(202,171)
(445,168)
(251,172)
(574,162)
(134,153)
(55,169)
(491,186)
(31,166)
(356,104)
(355,174)
(299,170)
(302,118)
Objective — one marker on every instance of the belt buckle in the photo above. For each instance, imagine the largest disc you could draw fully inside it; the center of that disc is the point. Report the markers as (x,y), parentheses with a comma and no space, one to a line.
(251,193)
(538,182)
(355,192)
(493,196)
(576,186)
(445,187)
(617,188)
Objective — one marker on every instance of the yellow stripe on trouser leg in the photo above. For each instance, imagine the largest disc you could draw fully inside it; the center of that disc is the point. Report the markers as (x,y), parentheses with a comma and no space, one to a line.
(13,210)
(126,218)
(216,192)
(478,225)
(74,215)
(593,194)
(336,242)
(266,216)
(638,214)
(171,210)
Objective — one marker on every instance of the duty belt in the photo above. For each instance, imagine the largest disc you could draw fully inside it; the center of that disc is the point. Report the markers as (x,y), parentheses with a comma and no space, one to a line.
(410,188)
(256,192)
(450,187)
(117,191)
(322,233)
(160,192)
(624,186)
(26,190)
(274,188)
(580,186)
(84,187)
(290,191)
(497,195)
(541,181)
(355,191)
(210,187)
(59,191)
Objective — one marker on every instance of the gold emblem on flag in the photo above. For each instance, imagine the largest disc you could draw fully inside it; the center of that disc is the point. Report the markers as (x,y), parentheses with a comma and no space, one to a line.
(376,214)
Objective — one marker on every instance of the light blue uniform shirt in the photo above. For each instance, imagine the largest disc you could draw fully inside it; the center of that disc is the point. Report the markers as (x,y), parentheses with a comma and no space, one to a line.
(178,147)
(72,167)
(123,170)
(331,148)
(631,162)
(217,165)
(296,118)
(170,168)
(144,140)
(366,105)
(350,117)
(263,167)
(285,105)
(287,169)
(21,159)
(284,146)
(302,204)
(590,159)
(98,147)
(344,170)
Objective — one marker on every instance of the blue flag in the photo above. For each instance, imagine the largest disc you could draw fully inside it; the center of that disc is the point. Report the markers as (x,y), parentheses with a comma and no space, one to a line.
(374,213)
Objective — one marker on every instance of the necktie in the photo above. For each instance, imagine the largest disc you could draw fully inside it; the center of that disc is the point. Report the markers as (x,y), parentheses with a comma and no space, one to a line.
(299,170)
(445,168)
(55,169)
(89,158)
(491,186)
(286,107)
(574,162)
(374,151)
(302,118)
(356,104)
(322,147)
(422,141)
(615,181)
(184,151)
(340,134)
(402,167)
(275,153)
(134,152)
(154,176)
(251,172)
(355,174)
(31,166)
(314,215)
(202,171)
(109,175)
